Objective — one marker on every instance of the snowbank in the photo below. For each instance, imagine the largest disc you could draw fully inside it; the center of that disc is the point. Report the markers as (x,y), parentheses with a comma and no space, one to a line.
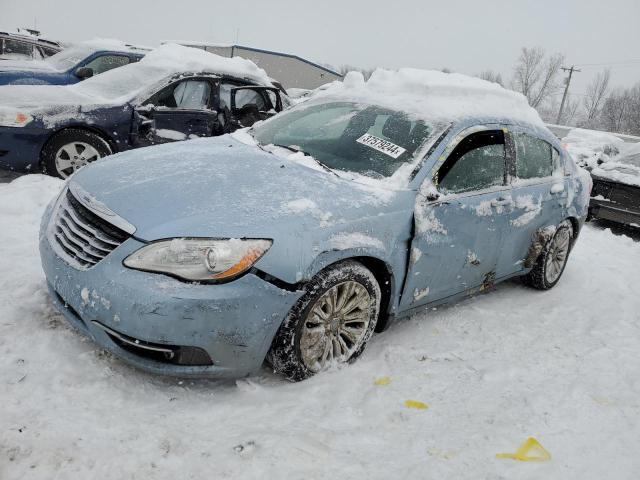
(433,95)
(561,366)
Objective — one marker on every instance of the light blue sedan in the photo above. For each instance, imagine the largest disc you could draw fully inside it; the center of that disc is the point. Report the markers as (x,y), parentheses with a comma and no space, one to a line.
(295,241)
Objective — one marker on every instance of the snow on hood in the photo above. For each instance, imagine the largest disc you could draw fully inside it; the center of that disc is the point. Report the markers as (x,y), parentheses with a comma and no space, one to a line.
(605,155)
(222,187)
(591,147)
(433,95)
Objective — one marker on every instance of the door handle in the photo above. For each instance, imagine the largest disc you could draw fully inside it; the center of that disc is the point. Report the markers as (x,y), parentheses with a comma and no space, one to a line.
(500,202)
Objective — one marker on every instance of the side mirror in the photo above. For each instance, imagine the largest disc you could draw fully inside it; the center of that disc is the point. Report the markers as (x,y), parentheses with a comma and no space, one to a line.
(84,72)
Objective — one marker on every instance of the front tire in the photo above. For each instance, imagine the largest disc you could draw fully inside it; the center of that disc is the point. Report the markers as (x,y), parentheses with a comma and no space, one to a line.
(551,263)
(71,149)
(330,324)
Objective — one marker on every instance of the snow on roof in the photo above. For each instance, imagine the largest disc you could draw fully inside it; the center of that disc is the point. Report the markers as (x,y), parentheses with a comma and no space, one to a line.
(166,60)
(434,95)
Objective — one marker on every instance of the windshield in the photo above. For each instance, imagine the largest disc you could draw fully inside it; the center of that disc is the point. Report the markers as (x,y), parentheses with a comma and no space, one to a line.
(347,136)
(69,57)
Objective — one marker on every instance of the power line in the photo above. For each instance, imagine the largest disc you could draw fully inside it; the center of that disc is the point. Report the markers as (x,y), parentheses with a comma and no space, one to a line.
(604,64)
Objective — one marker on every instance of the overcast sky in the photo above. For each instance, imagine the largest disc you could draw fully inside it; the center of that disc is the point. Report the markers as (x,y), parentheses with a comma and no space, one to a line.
(463,35)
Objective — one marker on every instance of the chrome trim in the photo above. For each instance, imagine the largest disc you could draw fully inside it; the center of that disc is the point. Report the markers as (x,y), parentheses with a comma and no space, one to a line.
(99,208)
(122,338)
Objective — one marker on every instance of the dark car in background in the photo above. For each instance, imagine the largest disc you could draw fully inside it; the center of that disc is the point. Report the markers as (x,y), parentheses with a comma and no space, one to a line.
(174,93)
(616,189)
(71,65)
(26,44)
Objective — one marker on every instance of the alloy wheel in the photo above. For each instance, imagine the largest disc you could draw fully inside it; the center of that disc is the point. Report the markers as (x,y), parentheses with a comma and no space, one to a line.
(335,326)
(74,155)
(557,256)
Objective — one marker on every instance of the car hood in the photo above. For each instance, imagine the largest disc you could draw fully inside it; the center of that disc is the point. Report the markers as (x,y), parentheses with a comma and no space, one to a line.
(41,97)
(220,187)
(26,66)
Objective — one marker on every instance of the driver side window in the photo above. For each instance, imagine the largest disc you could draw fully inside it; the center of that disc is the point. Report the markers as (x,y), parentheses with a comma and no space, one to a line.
(107,62)
(477,162)
(184,95)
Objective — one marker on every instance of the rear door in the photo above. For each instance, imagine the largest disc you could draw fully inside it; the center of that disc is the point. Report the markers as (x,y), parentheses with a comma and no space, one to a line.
(539,197)
(179,111)
(459,226)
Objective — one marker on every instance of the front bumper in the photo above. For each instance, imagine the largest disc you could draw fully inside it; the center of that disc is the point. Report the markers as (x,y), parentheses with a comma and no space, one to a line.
(20,148)
(234,322)
(607,210)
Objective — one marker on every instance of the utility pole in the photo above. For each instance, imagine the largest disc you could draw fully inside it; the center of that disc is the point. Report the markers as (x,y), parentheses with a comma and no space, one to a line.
(566,89)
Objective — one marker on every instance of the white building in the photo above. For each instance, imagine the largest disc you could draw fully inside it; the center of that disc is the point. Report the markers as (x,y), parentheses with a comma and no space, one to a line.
(290,70)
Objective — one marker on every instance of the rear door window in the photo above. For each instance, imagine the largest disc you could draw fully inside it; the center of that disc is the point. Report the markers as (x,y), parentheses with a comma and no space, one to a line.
(534,157)
(16,49)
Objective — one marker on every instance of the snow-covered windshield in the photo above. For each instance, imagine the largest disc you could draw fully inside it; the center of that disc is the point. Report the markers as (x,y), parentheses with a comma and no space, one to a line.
(69,57)
(348,136)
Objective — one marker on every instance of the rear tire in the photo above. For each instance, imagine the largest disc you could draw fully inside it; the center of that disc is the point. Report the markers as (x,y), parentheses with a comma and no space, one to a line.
(551,262)
(330,324)
(71,149)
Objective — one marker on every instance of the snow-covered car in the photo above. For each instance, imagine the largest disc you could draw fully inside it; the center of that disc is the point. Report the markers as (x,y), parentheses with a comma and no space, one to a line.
(297,239)
(616,188)
(71,65)
(25,45)
(172,94)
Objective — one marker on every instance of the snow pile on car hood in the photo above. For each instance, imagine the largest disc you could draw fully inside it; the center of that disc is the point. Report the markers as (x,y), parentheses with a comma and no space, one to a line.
(605,155)
(591,147)
(433,95)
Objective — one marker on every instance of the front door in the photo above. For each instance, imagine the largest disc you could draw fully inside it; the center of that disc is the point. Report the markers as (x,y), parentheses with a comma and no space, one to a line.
(179,111)
(460,217)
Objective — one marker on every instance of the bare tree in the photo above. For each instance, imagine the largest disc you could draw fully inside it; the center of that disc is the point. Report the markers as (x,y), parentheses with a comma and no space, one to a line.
(595,97)
(570,111)
(535,74)
(491,76)
(621,111)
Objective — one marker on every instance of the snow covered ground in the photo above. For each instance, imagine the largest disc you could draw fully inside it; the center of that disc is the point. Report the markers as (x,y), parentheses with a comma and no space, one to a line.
(562,366)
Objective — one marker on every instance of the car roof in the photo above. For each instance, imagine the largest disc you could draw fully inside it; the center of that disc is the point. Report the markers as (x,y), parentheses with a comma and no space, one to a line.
(31,39)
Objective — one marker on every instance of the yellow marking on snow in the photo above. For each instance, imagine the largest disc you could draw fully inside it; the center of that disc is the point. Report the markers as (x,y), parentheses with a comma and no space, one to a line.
(529,451)
(382,381)
(415,404)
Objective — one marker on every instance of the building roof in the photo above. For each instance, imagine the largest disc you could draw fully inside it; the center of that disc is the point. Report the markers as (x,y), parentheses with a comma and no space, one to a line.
(259,50)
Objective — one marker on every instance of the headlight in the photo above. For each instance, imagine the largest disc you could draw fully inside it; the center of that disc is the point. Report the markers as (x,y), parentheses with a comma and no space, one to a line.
(199,259)
(14,118)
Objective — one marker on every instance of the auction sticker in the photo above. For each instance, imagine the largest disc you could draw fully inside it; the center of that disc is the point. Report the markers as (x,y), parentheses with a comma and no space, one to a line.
(384,146)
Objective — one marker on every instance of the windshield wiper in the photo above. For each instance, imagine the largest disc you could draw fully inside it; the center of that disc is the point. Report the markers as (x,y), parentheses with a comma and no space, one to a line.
(296,149)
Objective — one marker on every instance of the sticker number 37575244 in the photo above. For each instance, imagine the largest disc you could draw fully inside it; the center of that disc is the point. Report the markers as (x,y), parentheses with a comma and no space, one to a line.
(384,146)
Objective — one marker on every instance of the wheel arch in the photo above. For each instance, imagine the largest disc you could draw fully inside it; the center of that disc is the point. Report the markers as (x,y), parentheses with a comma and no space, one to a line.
(81,126)
(381,270)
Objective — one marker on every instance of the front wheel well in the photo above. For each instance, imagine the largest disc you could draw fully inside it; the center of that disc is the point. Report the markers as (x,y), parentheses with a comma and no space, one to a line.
(384,276)
(96,131)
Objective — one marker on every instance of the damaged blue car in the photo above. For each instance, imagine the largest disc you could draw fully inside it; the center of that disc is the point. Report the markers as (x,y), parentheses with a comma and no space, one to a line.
(294,241)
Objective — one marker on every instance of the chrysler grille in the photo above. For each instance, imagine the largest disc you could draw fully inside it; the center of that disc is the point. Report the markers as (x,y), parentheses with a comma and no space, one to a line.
(82,237)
